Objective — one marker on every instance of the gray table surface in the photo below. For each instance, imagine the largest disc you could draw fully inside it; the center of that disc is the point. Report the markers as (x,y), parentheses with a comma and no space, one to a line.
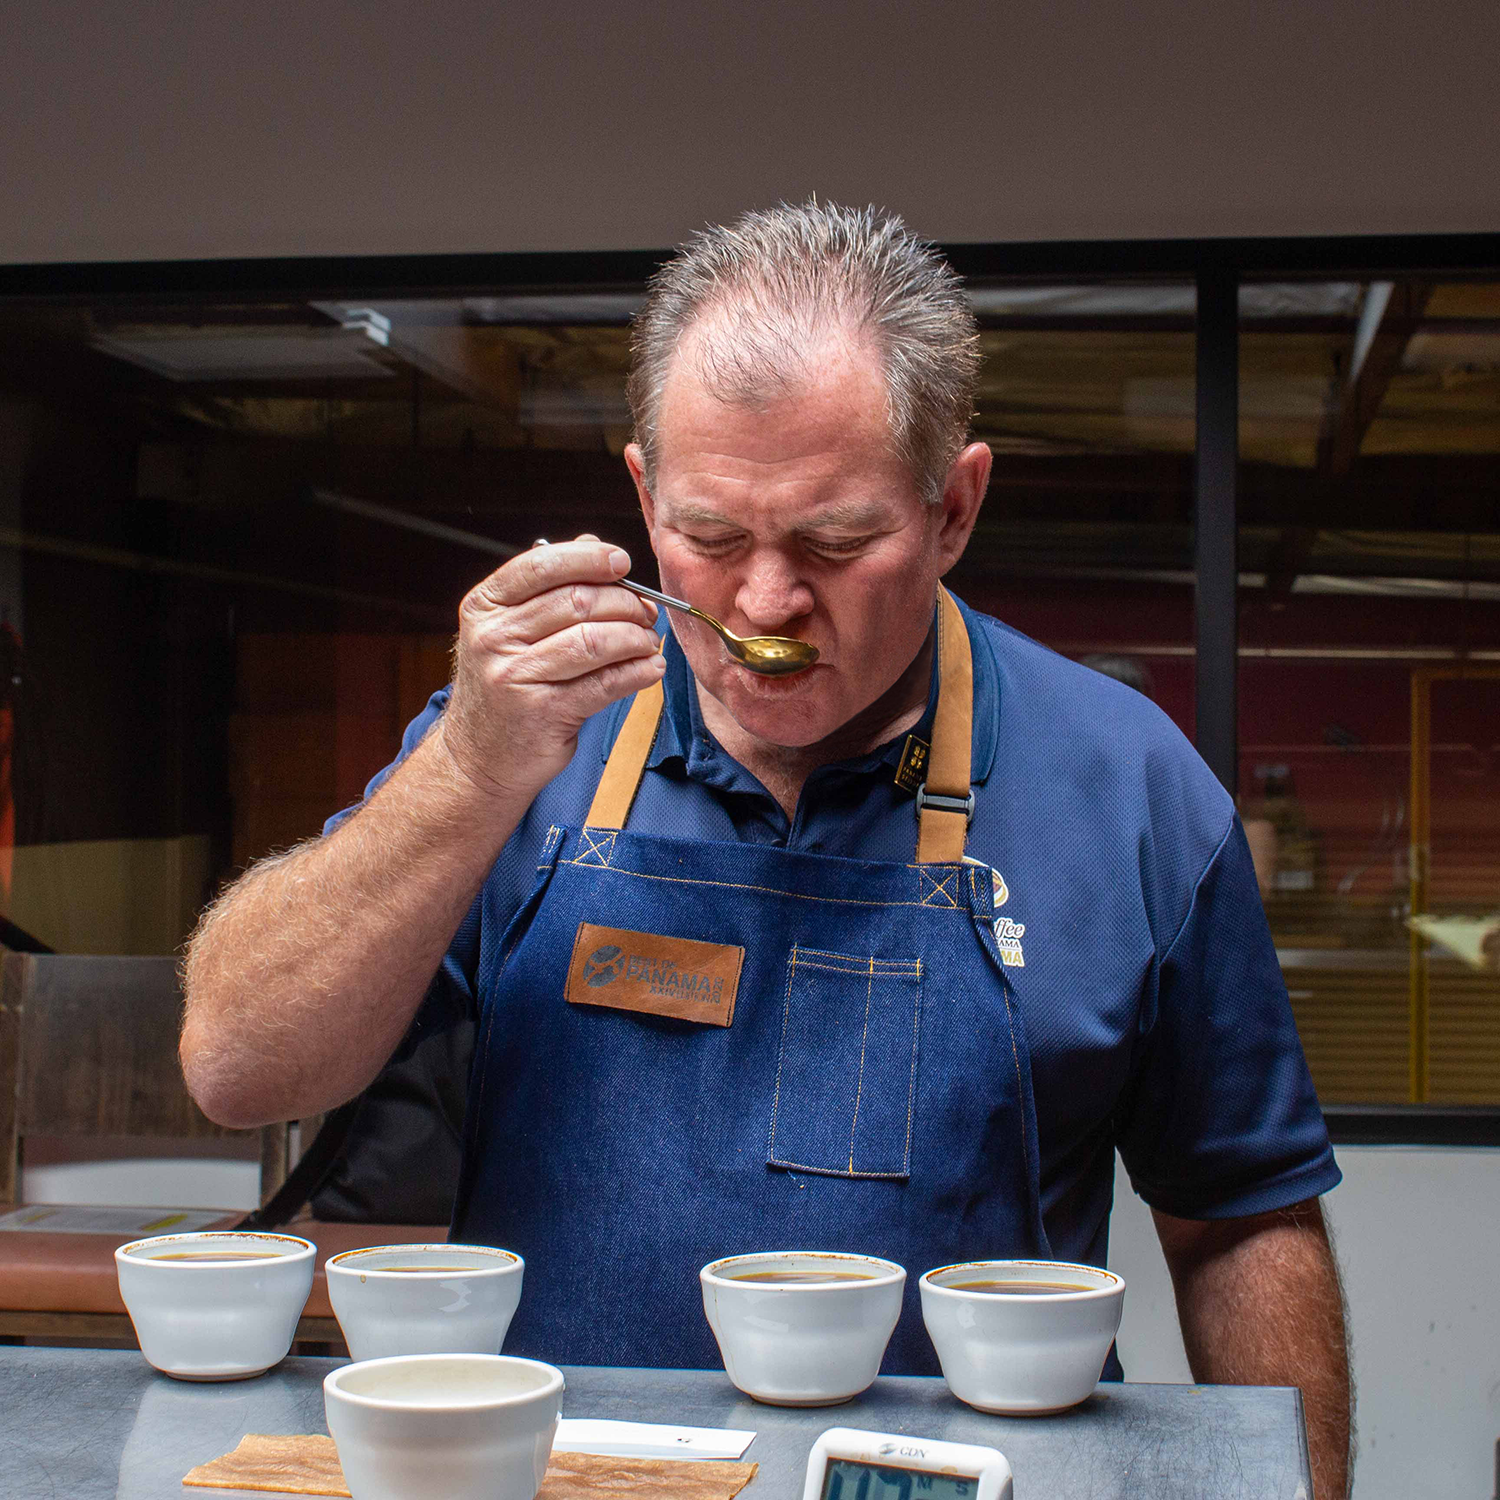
(86,1424)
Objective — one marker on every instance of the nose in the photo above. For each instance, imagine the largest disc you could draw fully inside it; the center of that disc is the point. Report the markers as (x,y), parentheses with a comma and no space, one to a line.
(771,592)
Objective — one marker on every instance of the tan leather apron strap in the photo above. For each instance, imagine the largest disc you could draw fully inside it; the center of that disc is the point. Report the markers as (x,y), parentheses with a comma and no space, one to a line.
(627,760)
(943,803)
(946,800)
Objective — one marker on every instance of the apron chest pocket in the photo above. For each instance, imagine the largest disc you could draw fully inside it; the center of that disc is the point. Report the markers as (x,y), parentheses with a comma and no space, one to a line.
(846,1075)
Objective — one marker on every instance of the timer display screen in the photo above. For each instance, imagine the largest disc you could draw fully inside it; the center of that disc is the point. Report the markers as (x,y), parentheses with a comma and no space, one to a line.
(847,1479)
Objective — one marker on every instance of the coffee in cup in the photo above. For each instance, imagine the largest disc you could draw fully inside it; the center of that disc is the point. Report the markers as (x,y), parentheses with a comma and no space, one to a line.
(424,1299)
(802,1327)
(217,1305)
(1021,1337)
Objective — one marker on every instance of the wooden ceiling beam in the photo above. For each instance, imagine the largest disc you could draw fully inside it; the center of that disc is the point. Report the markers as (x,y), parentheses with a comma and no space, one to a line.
(1375,359)
(1375,355)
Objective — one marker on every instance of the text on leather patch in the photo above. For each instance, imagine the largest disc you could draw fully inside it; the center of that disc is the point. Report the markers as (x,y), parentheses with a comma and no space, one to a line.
(654,974)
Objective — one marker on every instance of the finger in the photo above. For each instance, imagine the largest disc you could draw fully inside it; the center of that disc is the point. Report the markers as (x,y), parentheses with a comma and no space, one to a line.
(559,608)
(581,649)
(542,568)
(583,536)
(595,691)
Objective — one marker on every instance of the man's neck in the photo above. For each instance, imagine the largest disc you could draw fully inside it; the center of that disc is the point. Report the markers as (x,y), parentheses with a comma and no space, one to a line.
(783,769)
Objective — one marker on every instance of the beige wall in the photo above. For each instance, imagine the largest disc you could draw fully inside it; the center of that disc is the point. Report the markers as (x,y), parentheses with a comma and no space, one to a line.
(163,129)
(111,895)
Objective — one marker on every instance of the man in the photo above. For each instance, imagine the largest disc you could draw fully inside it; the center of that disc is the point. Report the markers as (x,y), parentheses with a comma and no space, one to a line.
(746,972)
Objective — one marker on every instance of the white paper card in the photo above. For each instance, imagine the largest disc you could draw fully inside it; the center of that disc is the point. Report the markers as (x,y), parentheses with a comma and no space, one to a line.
(127,1223)
(649,1440)
(1461,936)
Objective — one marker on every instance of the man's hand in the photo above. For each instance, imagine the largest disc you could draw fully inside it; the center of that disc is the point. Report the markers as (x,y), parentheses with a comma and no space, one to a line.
(544,643)
(1260,1304)
(303,977)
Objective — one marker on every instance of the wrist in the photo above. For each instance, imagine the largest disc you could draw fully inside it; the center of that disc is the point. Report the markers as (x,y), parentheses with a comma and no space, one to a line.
(475,791)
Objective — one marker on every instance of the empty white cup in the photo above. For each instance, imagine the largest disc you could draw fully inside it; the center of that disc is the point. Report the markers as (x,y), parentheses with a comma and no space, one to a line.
(805,1343)
(220,1305)
(459,1426)
(424,1299)
(1022,1353)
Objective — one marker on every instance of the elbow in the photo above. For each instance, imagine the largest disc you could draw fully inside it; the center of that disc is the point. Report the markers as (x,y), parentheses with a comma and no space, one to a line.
(222,1082)
(217,1087)
(224,1078)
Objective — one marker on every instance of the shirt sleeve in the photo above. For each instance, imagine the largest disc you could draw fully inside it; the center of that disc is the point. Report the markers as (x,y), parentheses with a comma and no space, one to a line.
(1222,1120)
(450,997)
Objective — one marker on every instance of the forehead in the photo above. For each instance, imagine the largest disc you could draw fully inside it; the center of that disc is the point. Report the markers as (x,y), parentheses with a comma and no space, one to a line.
(811,435)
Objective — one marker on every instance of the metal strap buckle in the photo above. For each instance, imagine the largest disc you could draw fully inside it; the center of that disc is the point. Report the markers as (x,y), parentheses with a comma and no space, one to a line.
(940,803)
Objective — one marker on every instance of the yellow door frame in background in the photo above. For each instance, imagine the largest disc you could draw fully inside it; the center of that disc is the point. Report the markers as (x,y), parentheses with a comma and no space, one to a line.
(1422,679)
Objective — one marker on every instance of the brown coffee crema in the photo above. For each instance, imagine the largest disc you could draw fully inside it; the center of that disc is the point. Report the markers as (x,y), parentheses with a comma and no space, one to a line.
(1018,1288)
(798,1278)
(445,1270)
(218,1255)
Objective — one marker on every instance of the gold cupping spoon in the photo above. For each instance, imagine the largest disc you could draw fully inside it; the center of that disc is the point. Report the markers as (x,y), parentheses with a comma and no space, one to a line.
(770,655)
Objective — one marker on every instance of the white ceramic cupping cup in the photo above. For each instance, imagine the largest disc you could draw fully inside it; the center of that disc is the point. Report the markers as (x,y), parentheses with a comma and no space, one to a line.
(1022,1354)
(463,1305)
(808,1343)
(459,1426)
(215,1320)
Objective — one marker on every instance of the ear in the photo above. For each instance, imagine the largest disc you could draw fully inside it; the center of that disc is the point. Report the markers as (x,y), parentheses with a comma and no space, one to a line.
(963,493)
(635,461)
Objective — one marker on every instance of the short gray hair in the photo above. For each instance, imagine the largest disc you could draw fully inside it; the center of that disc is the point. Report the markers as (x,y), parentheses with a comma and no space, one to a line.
(783,278)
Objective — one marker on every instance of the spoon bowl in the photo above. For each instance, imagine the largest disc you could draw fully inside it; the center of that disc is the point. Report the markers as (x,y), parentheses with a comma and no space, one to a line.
(769,655)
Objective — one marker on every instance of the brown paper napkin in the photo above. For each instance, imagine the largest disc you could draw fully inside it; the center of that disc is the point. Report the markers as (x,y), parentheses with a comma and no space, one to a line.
(310,1466)
(292,1465)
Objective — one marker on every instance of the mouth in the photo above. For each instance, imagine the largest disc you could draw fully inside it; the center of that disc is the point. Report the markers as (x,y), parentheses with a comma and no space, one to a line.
(785,682)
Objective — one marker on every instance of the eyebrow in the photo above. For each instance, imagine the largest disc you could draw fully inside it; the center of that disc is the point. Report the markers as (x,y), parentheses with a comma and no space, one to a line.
(692,513)
(853,514)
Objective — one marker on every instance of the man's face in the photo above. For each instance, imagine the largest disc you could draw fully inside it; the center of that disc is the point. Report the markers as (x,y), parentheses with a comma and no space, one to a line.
(795,518)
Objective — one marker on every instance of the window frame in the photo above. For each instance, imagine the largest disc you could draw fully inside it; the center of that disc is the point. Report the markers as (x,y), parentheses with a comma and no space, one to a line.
(1218,267)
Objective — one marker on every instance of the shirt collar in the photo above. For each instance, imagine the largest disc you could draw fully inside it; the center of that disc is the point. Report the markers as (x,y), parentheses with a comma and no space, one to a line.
(683,737)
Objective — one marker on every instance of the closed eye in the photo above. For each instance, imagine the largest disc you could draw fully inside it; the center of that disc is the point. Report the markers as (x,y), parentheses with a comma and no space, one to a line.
(840,547)
(710,546)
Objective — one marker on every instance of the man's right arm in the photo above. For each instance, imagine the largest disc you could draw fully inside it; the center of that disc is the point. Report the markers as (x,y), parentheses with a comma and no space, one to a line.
(302,979)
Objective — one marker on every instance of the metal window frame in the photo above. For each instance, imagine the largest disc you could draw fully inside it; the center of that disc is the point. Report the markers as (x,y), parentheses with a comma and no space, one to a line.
(1216,266)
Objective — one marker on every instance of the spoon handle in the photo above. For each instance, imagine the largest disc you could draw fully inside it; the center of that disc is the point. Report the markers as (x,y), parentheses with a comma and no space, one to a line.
(641,589)
(645,593)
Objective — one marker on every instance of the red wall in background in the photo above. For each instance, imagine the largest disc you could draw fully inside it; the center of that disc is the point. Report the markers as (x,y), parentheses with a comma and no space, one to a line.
(1341,724)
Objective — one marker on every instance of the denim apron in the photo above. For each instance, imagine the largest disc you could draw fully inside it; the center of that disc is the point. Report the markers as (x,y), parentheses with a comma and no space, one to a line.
(871,1092)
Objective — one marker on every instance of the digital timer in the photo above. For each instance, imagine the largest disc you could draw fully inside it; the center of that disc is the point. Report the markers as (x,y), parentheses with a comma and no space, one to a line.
(847,1464)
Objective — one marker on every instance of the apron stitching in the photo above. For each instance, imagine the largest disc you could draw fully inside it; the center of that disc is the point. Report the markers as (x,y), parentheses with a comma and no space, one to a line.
(859,1085)
(889,968)
(916,1039)
(554,833)
(987,941)
(786,1021)
(739,885)
(602,849)
(798,1166)
(550,843)
(858,963)
(1016,1058)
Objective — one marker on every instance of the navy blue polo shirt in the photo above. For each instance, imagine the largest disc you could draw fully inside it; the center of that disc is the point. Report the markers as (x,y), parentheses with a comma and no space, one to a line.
(1131,923)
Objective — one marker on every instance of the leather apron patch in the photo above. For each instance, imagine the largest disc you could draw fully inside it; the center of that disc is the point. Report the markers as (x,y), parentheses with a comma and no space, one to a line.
(654,974)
